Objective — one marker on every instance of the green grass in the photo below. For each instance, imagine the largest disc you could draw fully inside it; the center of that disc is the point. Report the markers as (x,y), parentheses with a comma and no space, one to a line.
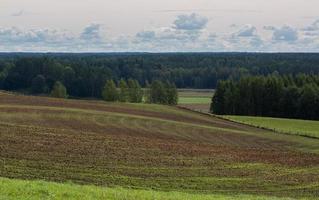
(194,100)
(11,189)
(195,97)
(290,126)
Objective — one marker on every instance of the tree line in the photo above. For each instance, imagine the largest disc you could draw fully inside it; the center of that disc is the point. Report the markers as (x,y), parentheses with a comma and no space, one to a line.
(84,75)
(286,96)
(157,92)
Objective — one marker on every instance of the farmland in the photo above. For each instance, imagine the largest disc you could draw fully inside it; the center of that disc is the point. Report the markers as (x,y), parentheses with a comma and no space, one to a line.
(17,189)
(289,126)
(148,147)
(195,99)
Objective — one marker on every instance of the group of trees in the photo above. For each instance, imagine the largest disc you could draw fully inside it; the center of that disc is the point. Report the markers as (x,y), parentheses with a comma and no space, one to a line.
(59,91)
(39,86)
(131,91)
(84,75)
(162,93)
(274,96)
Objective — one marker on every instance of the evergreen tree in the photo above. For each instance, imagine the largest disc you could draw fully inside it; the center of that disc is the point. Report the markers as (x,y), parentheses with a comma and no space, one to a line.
(147,92)
(273,96)
(218,101)
(135,91)
(245,95)
(158,93)
(273,91)
(110,92)
(38,85)
(231,98)
(309,102)
(289,102)
(257,92)
(59,91)
(124,91)
(171,93)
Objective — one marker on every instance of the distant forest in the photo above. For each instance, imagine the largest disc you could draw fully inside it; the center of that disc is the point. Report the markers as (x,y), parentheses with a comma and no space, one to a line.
(84,75)
(273,96)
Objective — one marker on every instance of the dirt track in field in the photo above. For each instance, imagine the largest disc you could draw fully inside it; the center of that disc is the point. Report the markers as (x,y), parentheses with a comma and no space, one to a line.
(197,107)
(100,148)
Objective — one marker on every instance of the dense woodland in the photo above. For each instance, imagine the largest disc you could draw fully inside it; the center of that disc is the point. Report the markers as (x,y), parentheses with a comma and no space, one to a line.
(85,75)
(274,96)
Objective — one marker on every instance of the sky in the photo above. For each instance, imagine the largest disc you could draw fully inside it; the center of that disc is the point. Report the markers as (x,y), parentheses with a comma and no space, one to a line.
(159,25)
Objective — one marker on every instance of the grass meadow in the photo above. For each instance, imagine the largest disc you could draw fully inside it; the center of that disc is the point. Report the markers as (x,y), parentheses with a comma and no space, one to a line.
(289,126)
(41,190)
(195,99)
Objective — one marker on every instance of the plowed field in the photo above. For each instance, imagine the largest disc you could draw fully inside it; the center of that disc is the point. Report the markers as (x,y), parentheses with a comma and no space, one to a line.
(150,147)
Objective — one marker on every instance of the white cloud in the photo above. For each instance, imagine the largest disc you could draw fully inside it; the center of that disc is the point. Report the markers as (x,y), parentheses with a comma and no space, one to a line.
(45,39)
(269,28)
(92,32)
(166,38)
(20,36)
(190,22)
(184,33)
(245,39)
(313,27)
(146,35)
(18,14)
(247,31)
(285,34)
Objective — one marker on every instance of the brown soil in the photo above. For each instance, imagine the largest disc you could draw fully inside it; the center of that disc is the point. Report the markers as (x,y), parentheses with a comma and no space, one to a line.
(93,150)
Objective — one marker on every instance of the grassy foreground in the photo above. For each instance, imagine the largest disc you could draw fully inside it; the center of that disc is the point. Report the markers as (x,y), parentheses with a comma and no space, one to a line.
(291,126)
(18,189)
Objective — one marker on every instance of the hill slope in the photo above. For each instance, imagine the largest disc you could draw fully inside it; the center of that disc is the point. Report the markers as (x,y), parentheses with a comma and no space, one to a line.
(18,189)
(150,147)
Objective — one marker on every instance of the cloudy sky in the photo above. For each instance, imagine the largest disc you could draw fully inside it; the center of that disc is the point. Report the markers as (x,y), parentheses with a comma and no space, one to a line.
(159,25)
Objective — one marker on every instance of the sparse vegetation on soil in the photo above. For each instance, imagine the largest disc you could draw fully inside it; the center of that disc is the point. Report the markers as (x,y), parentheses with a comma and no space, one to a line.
(143,146)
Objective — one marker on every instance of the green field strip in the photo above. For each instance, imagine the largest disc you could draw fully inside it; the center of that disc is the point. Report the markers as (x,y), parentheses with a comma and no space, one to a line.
(194,100)
(305,128)
(19,189)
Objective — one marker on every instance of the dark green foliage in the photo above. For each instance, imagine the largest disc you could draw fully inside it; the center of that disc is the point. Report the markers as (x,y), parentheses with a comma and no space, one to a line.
(124,91)
(309,102)
(110,92)
(135,91)
(39,85)
(84,75)
(147,93)
(59,91)
(171,93)
(273,96)
(163,93)
(157,93)
(218,101)
(289,101)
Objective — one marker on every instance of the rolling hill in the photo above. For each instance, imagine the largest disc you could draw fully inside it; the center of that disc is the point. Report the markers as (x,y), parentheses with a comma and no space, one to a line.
(142,146)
